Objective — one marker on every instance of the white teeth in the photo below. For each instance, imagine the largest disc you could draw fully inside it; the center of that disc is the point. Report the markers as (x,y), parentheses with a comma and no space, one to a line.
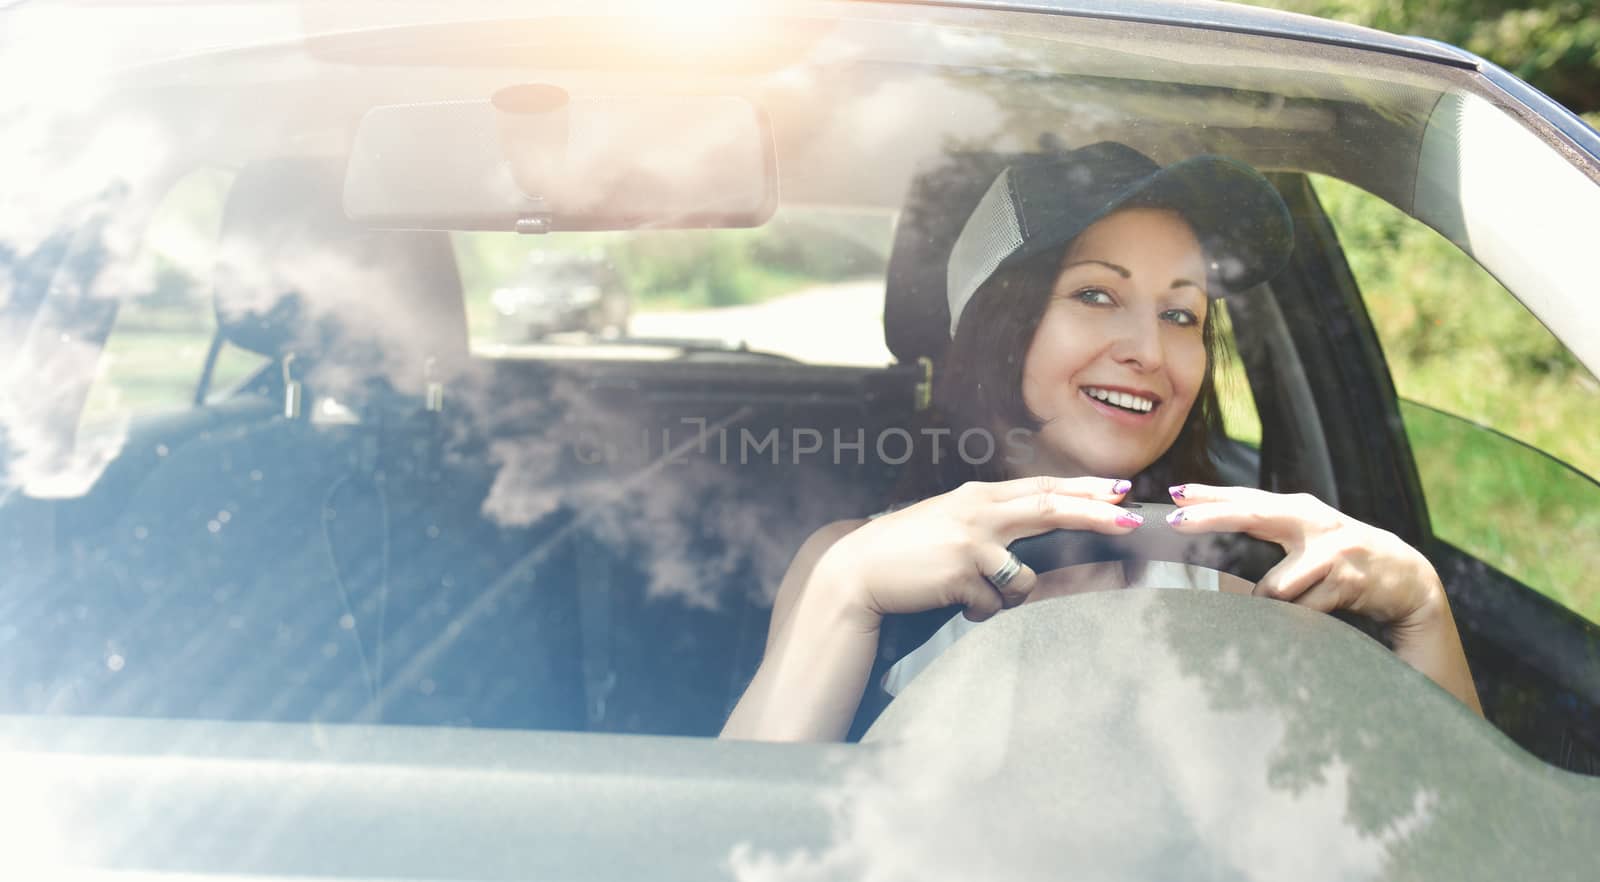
(1122,399)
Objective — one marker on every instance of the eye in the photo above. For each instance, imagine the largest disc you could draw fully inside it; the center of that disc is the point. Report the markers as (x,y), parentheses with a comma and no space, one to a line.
(1180,317)
(1094,297)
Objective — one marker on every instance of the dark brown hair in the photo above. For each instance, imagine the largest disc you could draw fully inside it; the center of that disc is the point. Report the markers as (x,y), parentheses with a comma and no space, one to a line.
(978,385)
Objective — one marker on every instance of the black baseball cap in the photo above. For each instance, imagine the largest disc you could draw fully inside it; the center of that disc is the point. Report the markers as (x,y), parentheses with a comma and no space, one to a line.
(1240,220)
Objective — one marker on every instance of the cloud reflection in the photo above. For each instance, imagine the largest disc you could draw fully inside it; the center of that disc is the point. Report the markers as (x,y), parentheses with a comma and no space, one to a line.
(1081,739)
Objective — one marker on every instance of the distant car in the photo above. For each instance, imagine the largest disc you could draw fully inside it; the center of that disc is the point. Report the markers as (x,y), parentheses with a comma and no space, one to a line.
(341,596)
(558,291)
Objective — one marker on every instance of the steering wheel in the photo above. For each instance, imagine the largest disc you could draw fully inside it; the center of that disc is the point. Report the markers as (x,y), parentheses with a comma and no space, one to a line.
(1153,731)
(1235,553)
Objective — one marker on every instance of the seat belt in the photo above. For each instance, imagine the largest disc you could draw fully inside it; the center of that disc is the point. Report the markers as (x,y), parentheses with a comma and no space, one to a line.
(594,623)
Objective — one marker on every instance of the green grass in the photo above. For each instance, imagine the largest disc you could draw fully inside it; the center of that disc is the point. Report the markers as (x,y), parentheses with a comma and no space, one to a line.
(1239,416)
(1521,512)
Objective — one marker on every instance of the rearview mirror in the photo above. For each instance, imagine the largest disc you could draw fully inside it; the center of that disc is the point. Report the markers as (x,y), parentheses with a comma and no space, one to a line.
(534,159)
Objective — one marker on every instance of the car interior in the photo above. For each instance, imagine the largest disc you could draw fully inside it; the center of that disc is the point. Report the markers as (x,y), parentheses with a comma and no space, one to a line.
(383,525)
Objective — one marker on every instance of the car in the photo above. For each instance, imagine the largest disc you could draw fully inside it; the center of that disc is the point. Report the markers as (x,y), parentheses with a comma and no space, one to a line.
(558,292)
(304,578)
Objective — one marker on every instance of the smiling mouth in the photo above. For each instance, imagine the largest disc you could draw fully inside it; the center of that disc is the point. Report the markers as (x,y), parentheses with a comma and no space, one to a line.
(1127,401)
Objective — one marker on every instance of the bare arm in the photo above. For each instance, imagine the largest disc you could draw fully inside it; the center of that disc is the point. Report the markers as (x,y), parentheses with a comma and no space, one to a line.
(849,574)
(819,652)
(1428,641)
(1336,562)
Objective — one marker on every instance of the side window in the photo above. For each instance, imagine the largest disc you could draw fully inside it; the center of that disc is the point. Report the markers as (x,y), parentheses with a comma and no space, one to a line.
(156,353)
(1500,416)
(1239,416)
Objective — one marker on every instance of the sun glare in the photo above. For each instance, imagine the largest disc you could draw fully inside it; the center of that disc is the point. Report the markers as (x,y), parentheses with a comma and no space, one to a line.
(703,18)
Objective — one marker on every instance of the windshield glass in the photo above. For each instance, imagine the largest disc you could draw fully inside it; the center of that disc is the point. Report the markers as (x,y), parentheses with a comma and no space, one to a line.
(346,383)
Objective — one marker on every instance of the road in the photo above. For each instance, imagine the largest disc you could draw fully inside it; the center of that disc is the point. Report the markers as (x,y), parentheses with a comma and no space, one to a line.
(831,324)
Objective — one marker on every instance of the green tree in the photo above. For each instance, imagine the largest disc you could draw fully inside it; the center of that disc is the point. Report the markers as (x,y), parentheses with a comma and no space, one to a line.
(1553,44)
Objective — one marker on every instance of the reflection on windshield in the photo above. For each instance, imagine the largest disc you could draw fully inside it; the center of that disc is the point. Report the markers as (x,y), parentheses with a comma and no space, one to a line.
(1127,734)
(238,427)
(261,463)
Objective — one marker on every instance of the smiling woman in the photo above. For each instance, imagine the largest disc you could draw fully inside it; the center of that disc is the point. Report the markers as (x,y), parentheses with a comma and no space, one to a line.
(1124,335)
(1091,338)
(482,398)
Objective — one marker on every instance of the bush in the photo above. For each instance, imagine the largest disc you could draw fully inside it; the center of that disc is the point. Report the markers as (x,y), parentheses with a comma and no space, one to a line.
(712,268)
(1429,301)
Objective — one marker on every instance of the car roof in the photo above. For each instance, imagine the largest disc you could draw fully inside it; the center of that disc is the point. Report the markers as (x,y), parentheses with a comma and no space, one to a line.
(290,19)
(1242,19)
(1236,18)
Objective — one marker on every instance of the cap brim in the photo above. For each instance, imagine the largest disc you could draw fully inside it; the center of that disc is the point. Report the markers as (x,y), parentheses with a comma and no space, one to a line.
(1242,223)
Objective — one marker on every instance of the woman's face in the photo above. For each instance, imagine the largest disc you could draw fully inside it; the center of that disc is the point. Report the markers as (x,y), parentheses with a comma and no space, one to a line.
(1118,357)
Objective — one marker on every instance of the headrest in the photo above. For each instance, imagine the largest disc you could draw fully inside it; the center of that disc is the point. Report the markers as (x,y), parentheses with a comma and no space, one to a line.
(916,315)
(293,275)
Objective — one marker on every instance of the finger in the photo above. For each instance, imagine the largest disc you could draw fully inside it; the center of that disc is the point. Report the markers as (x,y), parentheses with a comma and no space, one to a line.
(1043,512)
(980,599)
(1292,577)
(991,559)
(1106,489)
(1271,520)
(1326,596)
(1185,493)
(1303,506)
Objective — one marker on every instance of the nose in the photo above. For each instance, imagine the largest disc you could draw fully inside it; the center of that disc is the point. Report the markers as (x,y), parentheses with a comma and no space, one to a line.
(1137,342)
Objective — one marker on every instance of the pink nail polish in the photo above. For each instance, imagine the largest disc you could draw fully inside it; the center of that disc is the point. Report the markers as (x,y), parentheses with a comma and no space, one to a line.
(1121,487)
(1176,517)
(1129,519)
(1177,490)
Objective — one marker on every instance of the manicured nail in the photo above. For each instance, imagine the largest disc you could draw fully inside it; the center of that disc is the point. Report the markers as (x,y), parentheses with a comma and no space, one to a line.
(1129,519)
(1176,517)
(1121,487)
(1177,490)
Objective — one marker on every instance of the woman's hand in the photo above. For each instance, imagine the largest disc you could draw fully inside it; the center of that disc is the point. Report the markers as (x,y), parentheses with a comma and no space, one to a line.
(1333,561)
(849,574)
(940,551)
(1337,562)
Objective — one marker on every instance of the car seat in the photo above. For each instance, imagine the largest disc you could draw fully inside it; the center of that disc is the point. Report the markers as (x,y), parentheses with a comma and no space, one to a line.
(330,562)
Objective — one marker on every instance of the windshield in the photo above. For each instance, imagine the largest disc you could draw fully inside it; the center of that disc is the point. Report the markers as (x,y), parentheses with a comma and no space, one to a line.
(341,387)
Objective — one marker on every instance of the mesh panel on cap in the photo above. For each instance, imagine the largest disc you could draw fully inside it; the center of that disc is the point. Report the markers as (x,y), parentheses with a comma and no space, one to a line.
(991,235)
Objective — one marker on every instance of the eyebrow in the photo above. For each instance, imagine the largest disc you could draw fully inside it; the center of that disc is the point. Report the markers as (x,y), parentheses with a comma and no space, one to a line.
(1123,272)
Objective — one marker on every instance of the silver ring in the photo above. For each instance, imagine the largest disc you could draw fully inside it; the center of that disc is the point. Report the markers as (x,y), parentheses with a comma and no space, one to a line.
(1008,571)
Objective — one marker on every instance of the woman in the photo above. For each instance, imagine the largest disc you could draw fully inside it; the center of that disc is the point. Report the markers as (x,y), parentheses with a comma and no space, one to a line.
(1079,299)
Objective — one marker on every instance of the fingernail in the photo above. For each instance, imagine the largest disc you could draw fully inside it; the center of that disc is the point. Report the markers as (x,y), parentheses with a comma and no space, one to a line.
(1121,487)
(1129,519)
(1177,490)
(1176,517)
